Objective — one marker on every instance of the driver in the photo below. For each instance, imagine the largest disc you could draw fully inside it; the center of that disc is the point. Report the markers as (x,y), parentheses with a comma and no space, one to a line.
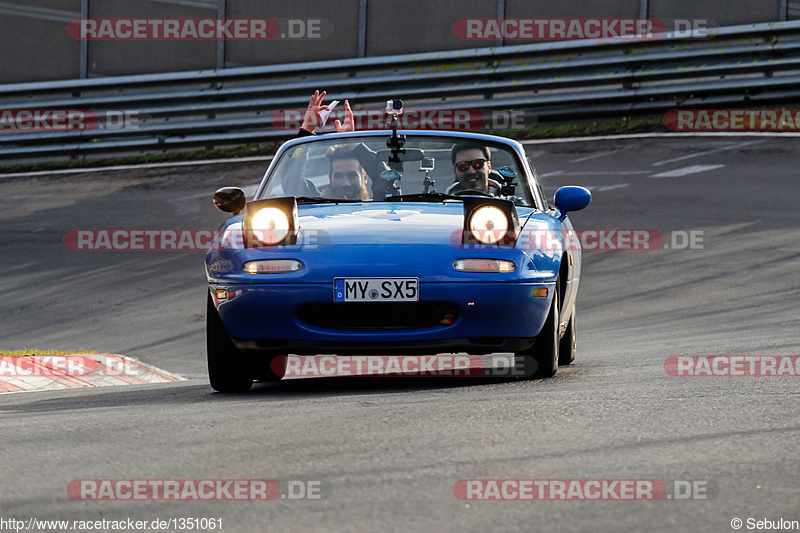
(471,167)
(347,177)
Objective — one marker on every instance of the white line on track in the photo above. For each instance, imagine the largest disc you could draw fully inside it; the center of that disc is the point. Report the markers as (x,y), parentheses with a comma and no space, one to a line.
(605,188)
(707,152)
(593,188)
(590,173)
(685,171)
(600,154)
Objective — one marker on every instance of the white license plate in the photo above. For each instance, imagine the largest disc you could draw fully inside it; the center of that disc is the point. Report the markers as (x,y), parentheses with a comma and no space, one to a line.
(376,289)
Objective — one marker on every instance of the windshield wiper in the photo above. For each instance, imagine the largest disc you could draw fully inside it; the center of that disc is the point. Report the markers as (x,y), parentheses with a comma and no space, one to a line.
(320,200)
(431,196)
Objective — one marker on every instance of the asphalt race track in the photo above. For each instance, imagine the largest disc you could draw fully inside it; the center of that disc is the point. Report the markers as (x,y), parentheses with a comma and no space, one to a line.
(389,451)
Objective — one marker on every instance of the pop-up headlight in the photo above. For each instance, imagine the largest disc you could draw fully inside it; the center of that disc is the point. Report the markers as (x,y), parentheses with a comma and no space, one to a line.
(270,222)
(490,221)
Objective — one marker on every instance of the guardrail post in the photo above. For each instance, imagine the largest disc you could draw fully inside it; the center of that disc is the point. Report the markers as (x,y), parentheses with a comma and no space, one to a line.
(362,28)
(84,50)
(501,13)
(221,13)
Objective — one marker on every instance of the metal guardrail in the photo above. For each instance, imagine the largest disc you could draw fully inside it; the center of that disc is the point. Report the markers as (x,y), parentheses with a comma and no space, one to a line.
(742,66)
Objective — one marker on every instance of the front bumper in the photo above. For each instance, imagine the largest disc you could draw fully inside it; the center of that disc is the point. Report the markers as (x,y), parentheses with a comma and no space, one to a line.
(477,317)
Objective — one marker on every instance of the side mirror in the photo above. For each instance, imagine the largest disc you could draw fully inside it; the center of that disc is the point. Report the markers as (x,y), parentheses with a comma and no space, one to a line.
(572,198)
(230,200)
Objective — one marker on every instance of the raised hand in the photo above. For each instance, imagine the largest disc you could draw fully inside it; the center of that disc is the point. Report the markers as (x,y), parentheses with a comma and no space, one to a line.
(312,120)
(349,122)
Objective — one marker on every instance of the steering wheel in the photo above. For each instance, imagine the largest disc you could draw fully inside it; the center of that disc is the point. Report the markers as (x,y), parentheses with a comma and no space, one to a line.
(471,192)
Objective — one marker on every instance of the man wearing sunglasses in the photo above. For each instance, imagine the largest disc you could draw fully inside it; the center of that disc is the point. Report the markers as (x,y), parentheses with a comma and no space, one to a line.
(471,167)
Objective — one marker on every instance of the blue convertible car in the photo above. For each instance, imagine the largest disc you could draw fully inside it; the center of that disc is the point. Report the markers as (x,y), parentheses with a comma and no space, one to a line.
(392,242)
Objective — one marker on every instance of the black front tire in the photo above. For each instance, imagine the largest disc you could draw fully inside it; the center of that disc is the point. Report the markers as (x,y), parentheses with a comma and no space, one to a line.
(569,342)
(228,369)
(545,350)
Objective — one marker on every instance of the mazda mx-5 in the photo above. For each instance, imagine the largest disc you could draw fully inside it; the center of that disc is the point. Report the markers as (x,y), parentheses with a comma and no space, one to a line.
(392,242)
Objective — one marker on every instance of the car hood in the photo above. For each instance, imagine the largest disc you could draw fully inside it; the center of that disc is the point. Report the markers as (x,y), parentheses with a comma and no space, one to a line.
(384,222)
(384,239)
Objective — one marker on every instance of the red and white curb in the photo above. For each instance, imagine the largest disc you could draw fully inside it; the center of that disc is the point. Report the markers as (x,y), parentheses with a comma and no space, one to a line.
(57,372)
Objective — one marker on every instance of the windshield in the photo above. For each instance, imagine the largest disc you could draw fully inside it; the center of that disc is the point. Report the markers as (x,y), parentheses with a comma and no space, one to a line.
(364,169)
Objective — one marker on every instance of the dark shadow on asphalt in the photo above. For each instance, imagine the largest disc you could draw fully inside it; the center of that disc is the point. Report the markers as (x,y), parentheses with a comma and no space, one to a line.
(315,387)
(200,392)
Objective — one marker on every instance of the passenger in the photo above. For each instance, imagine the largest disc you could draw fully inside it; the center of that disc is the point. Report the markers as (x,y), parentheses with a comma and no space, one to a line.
(348,179)
(347,174)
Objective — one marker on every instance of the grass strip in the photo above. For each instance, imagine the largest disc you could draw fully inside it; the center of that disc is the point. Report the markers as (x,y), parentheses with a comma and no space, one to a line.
(27,352)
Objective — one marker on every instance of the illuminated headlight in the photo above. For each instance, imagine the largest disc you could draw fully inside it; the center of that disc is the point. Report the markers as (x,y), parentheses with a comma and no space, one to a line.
(272,266)
(488,224)
(484,265)
(270,222)
(270,225)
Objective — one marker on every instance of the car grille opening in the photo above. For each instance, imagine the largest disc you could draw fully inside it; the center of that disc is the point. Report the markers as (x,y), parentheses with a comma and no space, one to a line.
(378,315)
